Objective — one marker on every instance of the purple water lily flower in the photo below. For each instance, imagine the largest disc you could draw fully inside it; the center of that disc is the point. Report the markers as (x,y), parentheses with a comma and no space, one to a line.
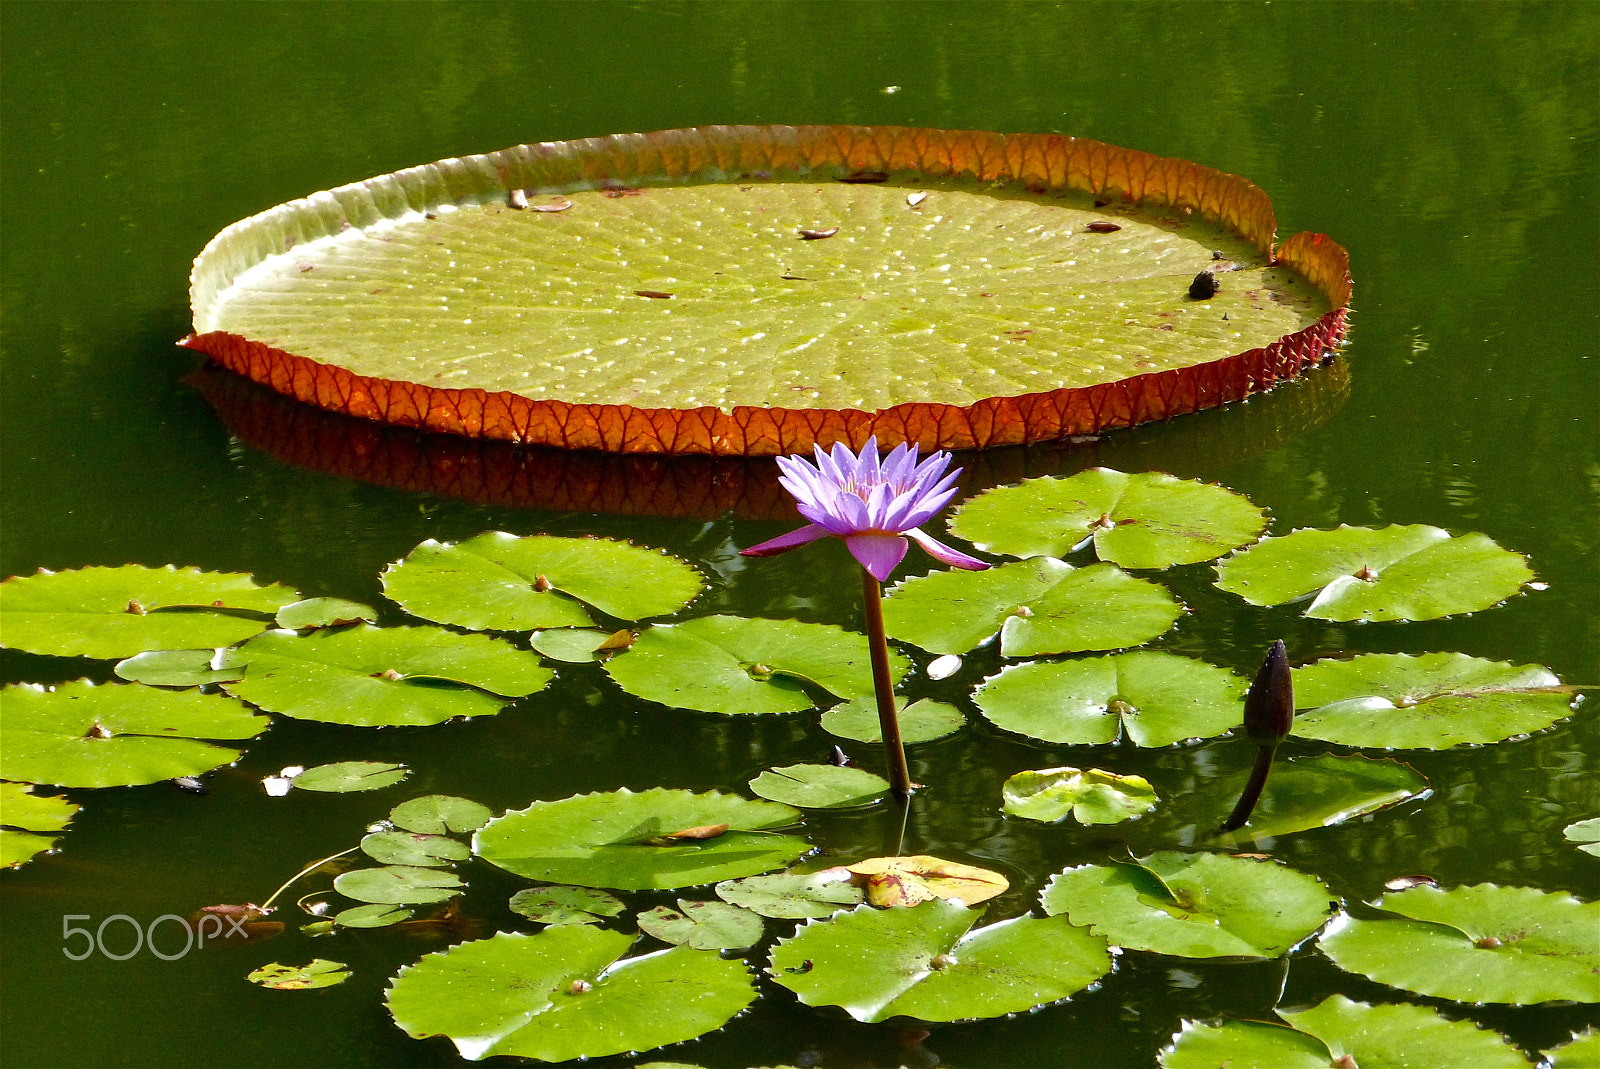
(874,506)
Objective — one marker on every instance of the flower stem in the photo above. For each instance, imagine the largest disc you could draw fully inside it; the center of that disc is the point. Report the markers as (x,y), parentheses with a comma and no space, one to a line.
(1252,790)
(883,686)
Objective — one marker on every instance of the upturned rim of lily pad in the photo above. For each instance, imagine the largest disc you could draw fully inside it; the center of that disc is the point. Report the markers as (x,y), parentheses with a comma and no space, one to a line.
(1038,163)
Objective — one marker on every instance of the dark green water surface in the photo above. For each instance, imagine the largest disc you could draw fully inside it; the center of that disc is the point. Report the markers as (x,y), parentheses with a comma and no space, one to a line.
(1451,147)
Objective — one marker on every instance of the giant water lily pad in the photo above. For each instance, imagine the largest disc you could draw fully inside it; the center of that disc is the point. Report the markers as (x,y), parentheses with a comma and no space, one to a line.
(735,664)
(1433,701)
(32,823)
(1392,573)
(1091,795)
(118,612)
(1485,943)
(923,962)
(1337,1032)
(371,676)
(563,994)
(81,735)
(1193,905)
(1155,698)
(1038,606)
(634,841)
(497,581)
(1147,520)
(658,293)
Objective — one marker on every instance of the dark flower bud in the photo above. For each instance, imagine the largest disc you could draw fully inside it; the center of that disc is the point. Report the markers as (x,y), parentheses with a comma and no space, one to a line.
(1269,704)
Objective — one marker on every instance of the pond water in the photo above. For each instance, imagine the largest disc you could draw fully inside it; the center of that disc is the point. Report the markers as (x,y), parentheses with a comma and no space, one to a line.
(1451,147)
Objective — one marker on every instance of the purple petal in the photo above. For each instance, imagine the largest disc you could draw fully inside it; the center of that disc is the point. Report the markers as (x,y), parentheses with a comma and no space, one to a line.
(830,467)
(900,464)
(953,557)
(783,543)
(878,554)
(926,508)
(868,462)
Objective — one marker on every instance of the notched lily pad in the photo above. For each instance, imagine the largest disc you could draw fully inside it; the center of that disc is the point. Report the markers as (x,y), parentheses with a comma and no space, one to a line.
(1391,573)
(794,895)
(921,721)
(118,612)
(820,786)
(371,676)
(32,823)
(413,848)
(1146,520)
(1586,833)
(1154,698)
(372,915)
(563,994)
(82,735)
(175,668)
(345,777)
(319,973)
(566,905)
(923,962)
(1434,701)
(1485,943)
(440,814)
(741,665)
(399,885)
(631,840)
(499,582)
(703,925)
(1193,905)
(324,612)
(1091,795)
(1037,606)
(580,645)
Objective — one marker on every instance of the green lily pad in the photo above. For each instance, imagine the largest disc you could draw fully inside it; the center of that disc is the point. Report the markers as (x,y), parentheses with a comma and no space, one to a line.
(1434,701)
(81,735)
(439,814)
(1147,520)
(324,612)
(923,962)
(319,973)
(497,581)
(1392,573)
(345,777)
(371,676)
(1038,606)
(739,665)
(1305,793)
(579,645)
(372,915)
(412,848)
(408,885)
(562,994)
(32,823)
(175,668)
(1193,905)
(1156,698)
(1582,1052)
(921,721)
(1486,943)
(566,905)
(703,925)
(794,895)
(1586,833)
(661,839)
(1338,1031)
(1092,796)
(819,786)
(118,612)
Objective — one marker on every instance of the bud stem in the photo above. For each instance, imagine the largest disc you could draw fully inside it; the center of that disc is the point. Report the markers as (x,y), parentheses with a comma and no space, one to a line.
(1252,790)
(883,686)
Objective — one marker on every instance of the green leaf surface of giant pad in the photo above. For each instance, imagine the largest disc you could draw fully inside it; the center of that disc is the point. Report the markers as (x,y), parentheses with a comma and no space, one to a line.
(819,786)
(1304,793)
(499,582)
(743,665)
(1145,520)
(1581,1052)
(1433,701)
(1152,698)
(1091,795)
(32,823)
(562,994)
(794,895)
(632,841)
(409,885)
(658,292)
(82,735)
(347,777)
(925,962)
(921,721)
(1389,573)
(371,676)
(118,612)
(1484,943)
(1338,1031)
(1193,905)
(1037,606)
(703,925)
